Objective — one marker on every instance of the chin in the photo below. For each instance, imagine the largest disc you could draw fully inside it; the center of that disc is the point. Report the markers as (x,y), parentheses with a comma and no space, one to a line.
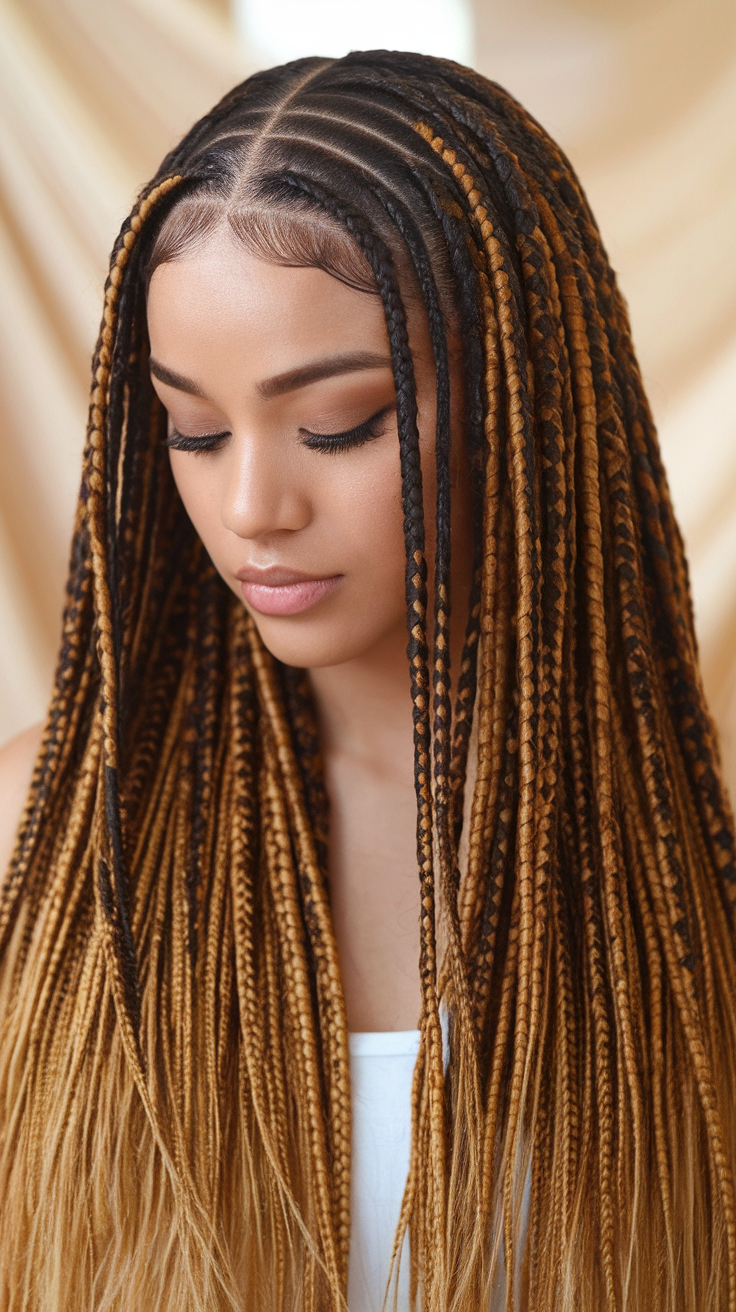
(312,644)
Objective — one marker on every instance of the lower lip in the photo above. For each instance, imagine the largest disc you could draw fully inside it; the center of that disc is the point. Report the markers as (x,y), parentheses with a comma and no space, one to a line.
(290,599)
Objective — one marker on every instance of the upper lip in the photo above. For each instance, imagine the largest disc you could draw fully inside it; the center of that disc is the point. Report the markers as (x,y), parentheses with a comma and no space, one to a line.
(276,576)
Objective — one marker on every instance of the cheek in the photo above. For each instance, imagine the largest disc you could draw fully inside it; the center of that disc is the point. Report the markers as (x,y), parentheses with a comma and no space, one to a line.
(368,504)
(198,491)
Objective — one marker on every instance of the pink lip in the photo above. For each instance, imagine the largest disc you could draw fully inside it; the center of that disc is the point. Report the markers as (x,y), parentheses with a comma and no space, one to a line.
(277,591)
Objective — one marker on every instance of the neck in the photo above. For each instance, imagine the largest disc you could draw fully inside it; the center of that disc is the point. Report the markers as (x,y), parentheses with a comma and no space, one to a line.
(364,705)
(365,713)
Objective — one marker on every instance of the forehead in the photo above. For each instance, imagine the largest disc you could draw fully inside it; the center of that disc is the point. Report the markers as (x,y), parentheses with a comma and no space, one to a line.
(222,296)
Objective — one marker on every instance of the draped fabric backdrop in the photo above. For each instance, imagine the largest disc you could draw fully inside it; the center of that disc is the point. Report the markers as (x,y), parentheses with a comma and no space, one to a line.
(640,93)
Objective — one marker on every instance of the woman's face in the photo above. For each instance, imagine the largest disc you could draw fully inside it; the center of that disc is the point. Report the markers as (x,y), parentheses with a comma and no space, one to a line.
(284,446)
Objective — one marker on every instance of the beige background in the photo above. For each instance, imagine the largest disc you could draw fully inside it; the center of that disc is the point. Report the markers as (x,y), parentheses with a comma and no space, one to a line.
(642,95)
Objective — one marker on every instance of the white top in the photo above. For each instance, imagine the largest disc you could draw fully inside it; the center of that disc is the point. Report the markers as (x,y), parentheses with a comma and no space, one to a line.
(381,1072)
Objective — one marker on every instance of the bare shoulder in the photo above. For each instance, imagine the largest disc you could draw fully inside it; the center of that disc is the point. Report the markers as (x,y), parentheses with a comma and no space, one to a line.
(17,759)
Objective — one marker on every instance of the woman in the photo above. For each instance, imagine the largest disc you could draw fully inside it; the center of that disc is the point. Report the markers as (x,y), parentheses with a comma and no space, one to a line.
(401,395)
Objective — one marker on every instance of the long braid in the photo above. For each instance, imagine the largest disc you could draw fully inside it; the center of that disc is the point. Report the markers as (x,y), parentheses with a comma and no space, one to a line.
(326,969)
(111,875)
(380,260)
(520,451)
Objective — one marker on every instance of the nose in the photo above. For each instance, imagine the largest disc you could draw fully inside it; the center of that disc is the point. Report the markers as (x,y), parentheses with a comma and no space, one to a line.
(261,493)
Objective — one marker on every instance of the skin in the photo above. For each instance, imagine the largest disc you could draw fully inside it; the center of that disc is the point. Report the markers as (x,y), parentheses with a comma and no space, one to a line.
(16,767)
(231,338)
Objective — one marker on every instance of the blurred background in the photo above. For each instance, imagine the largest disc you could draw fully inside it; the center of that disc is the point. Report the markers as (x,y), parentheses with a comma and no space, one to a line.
(640,93)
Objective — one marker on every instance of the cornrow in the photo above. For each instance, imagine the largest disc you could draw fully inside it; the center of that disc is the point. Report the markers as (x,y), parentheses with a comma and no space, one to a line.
(174,1070)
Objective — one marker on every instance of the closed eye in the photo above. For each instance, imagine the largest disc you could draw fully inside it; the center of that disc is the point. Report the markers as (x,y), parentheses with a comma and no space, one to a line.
(202,442)
(333,443)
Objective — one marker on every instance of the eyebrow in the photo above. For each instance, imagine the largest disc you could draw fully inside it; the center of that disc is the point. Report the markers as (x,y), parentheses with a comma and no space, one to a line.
(348,363)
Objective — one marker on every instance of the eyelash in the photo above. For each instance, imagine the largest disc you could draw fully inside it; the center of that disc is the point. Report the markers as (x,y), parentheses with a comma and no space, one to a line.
(207,442)
(329,443)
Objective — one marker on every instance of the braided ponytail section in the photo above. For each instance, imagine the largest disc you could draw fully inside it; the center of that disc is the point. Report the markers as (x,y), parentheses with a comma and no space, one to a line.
(175,1104)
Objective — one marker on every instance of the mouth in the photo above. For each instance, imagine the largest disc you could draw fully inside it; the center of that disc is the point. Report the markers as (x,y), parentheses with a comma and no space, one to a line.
(277,591)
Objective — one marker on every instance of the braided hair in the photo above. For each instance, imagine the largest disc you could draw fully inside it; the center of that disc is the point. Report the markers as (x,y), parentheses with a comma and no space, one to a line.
(174,1078)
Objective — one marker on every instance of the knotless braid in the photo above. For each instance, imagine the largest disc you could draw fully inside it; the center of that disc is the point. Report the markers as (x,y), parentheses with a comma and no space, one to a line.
(381,264)
(174,1072)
